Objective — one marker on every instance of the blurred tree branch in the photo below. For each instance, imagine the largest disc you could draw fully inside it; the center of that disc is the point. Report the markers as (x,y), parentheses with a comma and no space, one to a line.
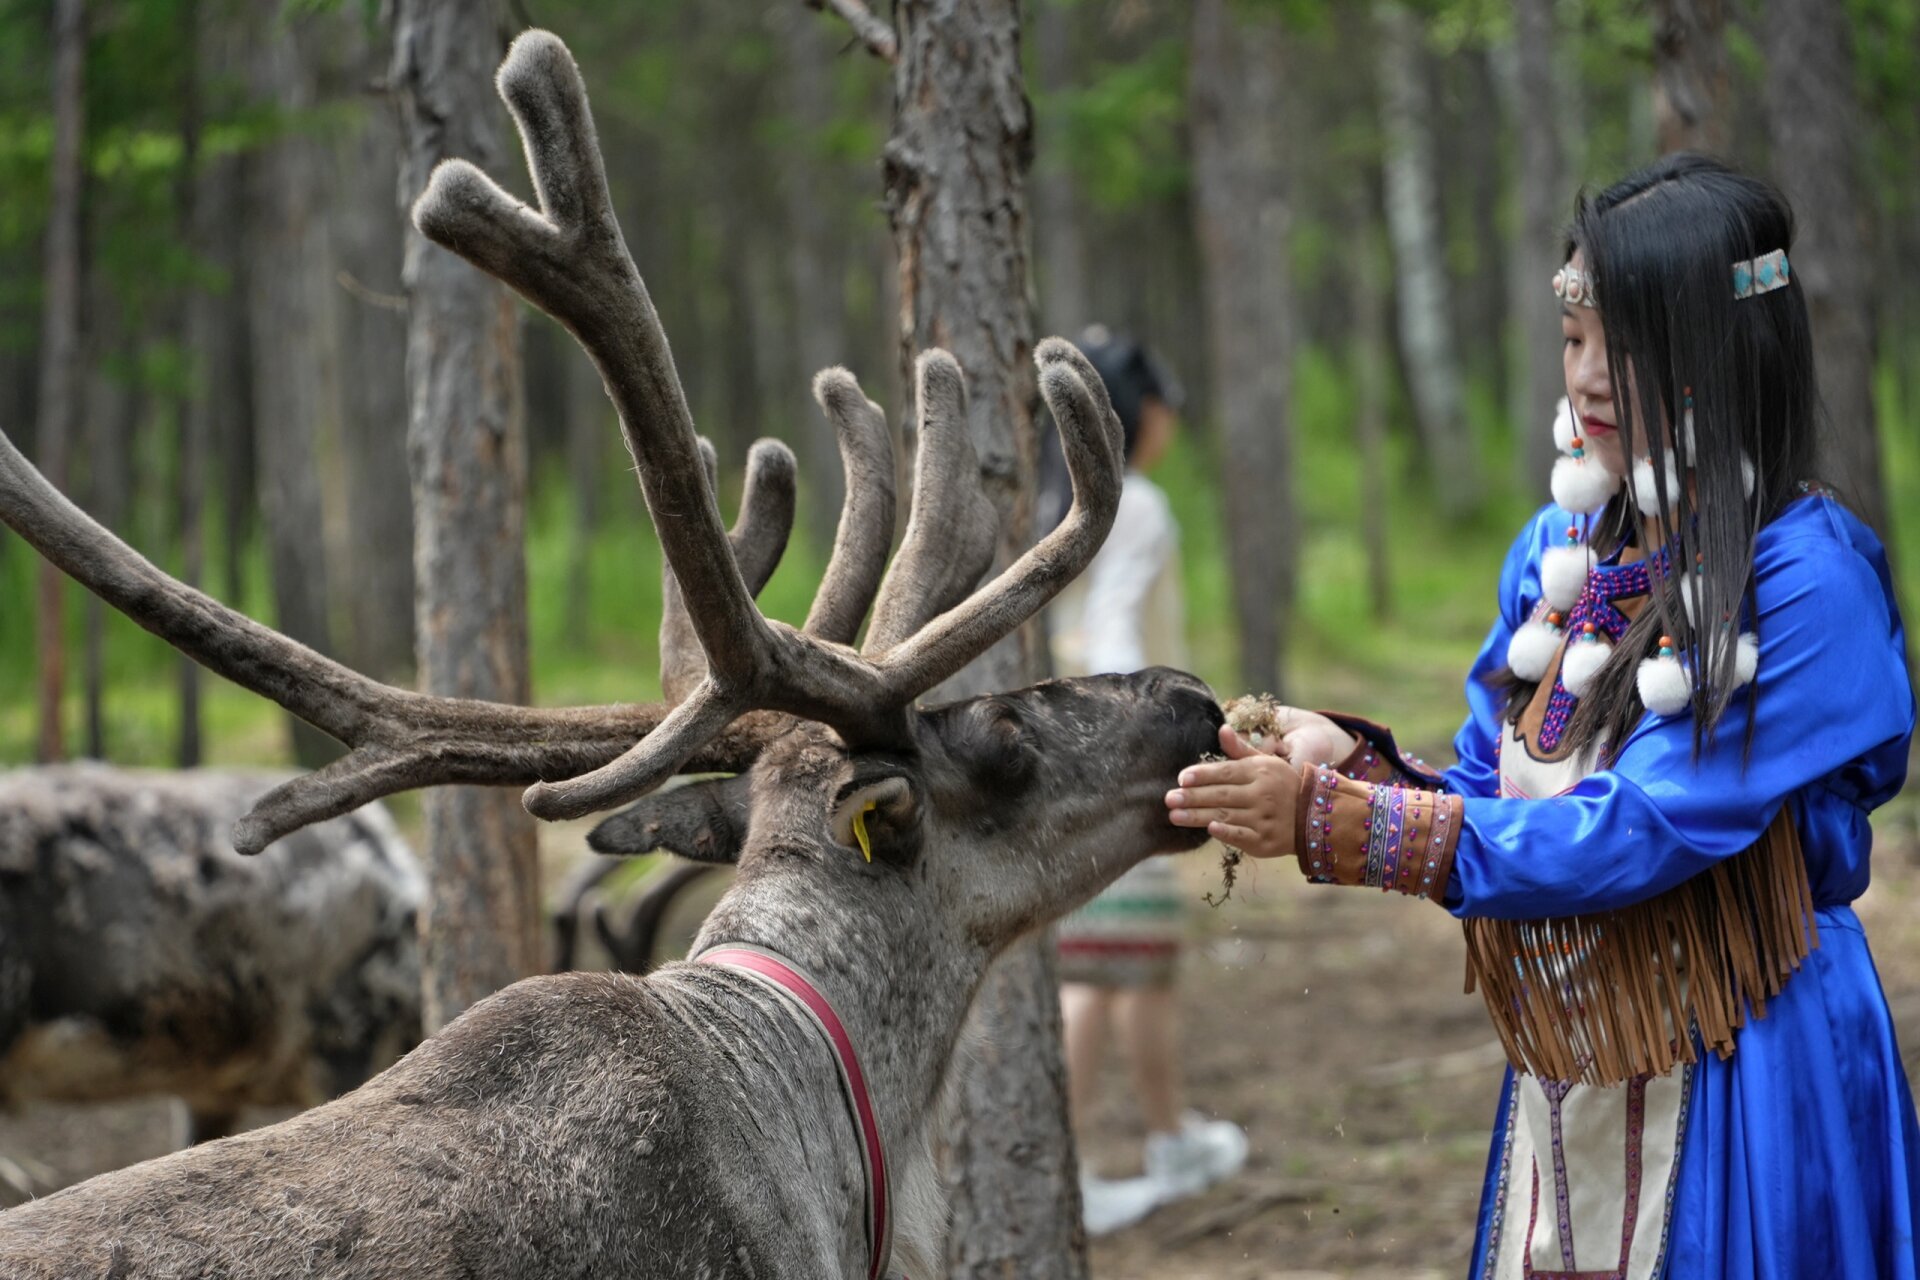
(872,31)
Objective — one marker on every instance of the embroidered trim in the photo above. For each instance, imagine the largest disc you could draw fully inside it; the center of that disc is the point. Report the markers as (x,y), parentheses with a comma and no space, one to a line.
(1673,1174)
(1596,608)
(1382,836)
(1377,758)
(1496,1221)
(1556,1091)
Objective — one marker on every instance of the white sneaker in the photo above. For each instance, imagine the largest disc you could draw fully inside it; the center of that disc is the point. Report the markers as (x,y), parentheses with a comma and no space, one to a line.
(1188,1162)
(1110,1204)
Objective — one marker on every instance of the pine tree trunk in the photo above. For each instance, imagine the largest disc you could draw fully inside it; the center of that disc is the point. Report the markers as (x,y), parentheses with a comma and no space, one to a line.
(60,344)
(956,167)
(114,406)
(1058,231)
(190,414)
(1240,206)
(817,263)
(1419,259)
(1538,381)
(1373,305)
(288,277)
(1813,120)
(467,457)
(1690,73)
(590,430)
(368,243)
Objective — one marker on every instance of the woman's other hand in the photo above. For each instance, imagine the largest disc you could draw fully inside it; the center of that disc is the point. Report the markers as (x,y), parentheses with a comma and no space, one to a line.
(1305,738)
(1246,800)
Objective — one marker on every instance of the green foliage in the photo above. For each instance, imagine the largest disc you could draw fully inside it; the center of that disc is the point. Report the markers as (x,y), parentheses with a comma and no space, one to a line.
(1123,130)
(691,111)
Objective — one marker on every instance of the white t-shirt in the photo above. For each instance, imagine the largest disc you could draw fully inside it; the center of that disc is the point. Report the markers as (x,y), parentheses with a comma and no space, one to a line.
(1126,612)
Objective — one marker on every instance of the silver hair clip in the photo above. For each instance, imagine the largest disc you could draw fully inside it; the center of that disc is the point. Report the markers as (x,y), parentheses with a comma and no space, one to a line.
(1751,277)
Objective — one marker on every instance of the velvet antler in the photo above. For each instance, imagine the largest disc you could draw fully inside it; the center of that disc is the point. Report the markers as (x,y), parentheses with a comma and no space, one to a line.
(569,258)
(749,676)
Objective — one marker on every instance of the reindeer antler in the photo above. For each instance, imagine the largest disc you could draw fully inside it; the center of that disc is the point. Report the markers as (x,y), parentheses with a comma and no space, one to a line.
(400,739)
(569,258)
(750,675)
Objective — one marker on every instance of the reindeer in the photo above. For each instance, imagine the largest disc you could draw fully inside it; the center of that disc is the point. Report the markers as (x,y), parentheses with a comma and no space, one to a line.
(140,955)
(713,1118)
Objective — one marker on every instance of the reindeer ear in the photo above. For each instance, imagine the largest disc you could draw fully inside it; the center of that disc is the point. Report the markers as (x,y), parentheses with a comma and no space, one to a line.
(705,821)
(879,819)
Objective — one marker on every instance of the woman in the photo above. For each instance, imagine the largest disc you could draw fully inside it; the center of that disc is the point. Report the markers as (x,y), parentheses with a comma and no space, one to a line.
(1694,695)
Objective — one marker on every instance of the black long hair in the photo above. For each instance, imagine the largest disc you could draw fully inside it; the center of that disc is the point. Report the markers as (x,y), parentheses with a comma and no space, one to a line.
(1133,375)
(1660,247)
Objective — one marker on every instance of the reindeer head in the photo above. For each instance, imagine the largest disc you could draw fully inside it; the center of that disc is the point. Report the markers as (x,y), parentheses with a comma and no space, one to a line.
(834,769)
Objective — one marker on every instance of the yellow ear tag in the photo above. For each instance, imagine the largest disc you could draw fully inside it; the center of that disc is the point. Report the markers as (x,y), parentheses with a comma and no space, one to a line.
(860,829)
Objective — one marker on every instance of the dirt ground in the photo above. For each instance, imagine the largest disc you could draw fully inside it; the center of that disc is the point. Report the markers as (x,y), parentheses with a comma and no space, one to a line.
(1330,1023)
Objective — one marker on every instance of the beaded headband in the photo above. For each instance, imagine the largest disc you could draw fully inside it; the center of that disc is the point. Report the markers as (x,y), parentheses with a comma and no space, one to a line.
(1751,277)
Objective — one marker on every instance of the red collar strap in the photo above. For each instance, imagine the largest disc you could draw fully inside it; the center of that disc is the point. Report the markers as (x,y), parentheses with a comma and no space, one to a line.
(785,977)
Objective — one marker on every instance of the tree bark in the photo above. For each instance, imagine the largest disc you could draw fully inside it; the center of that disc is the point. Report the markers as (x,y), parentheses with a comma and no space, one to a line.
(60,344)
(1814,126)
(1690,73)
(294,395)
(114,406)
(467,457)
(191,417)
(368,243)
(1058,229)
(1419,253)
(1240,206)
(1373,321)
(1537,381)
(817,264)
(590,432)
(956,165)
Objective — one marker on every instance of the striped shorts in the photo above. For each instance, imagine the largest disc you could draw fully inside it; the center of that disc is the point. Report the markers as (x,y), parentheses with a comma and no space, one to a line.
(1130,935)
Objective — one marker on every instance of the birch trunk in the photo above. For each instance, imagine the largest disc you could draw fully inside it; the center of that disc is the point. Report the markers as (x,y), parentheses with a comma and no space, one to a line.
(1419,259)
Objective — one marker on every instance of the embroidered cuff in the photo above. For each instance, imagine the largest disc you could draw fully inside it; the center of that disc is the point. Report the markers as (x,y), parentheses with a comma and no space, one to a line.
(1377,758)
(1387,837)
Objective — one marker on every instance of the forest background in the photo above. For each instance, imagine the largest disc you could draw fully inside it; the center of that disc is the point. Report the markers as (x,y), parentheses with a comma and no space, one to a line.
(242,329)
(1334,220)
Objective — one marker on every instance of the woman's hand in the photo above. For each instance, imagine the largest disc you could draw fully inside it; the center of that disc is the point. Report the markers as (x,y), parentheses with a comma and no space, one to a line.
(1247,800)
(1308,738)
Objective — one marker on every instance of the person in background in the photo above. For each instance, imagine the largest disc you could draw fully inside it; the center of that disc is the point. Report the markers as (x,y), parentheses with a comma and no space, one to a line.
(1118,953)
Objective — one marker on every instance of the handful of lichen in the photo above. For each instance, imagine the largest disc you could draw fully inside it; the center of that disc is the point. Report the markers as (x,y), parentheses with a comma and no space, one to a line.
(1256,718)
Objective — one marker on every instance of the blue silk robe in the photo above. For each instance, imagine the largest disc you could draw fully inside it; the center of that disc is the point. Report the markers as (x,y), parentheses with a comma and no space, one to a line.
(1800,1156)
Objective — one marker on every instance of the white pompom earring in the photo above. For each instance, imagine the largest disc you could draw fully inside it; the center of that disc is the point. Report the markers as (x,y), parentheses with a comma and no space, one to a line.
(1580,484)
